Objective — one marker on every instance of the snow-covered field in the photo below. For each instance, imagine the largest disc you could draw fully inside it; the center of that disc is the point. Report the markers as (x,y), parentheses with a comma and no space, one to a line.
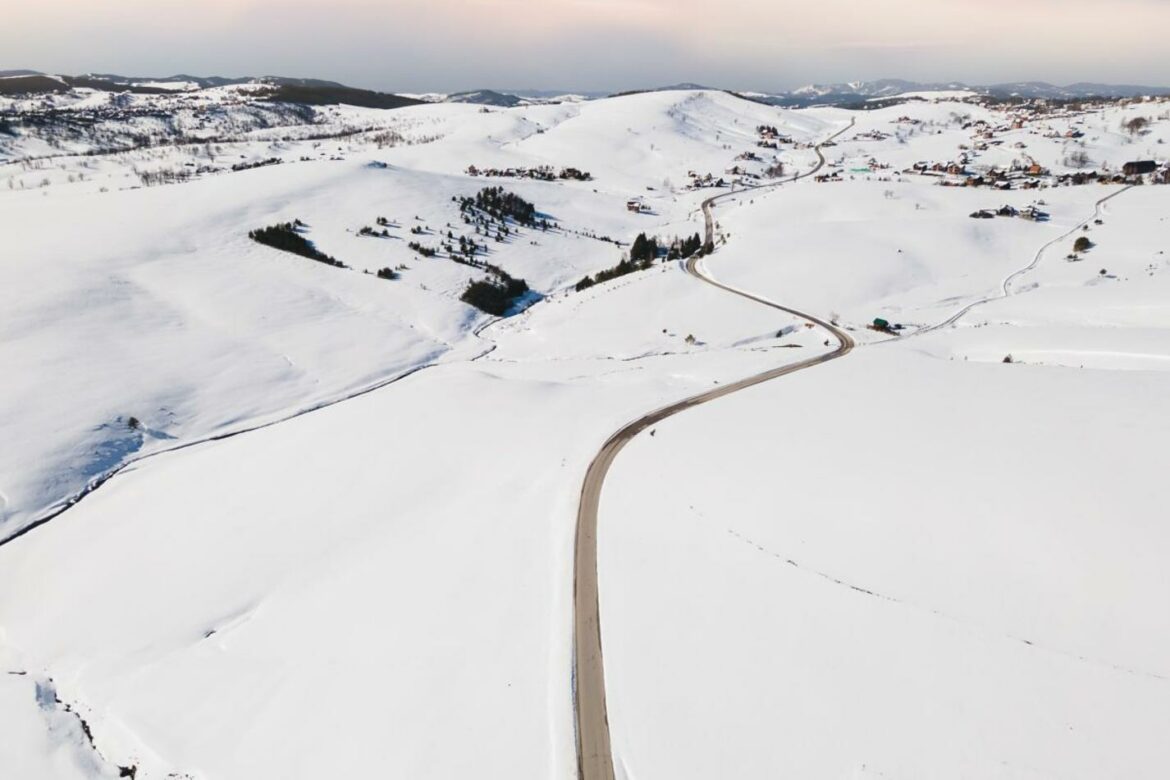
(918,561)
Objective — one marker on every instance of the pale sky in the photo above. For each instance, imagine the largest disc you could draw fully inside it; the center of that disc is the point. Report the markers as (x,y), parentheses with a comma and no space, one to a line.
(447,45)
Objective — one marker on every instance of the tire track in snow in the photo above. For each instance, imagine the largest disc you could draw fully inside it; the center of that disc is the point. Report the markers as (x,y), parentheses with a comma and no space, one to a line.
(943,615)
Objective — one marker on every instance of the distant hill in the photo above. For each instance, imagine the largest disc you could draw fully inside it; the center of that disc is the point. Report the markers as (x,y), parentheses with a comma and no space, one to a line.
(31,84)
(310,94)
(554,94)
(314,92)
(863,91)
(503,99)
(486,97)
(1042,89)
(321,92)
(884,91)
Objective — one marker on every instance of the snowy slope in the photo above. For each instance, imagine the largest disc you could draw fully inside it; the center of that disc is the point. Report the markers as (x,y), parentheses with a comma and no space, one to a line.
(894,566)
(918,561)
(366,591)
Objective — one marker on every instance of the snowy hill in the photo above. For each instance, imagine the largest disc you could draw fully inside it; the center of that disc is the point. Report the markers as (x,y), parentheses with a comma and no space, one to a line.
(177,257)
(280,498)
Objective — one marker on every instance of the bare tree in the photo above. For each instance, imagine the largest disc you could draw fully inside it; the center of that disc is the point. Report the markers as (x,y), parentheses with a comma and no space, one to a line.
(1136,125)
(1078,159)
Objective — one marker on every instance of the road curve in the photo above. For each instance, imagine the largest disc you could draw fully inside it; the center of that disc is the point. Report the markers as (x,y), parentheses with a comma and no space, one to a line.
(594,751)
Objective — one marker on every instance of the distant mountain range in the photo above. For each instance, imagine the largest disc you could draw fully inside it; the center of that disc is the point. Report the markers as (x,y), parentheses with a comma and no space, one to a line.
(856,92)
(318,92)
(862,91)
(891,89)
(280,88)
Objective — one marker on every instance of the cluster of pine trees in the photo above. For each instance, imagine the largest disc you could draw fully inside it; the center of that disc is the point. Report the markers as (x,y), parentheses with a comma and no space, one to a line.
(425,251)
(495,296)
(285,237)
(683,248)
(467,247)
(172,175)
(259,164)
(540,173)
(643,252)
(501,204)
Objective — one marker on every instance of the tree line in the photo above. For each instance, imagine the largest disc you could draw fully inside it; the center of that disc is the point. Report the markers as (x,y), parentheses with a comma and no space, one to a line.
(286,237)
(643,252)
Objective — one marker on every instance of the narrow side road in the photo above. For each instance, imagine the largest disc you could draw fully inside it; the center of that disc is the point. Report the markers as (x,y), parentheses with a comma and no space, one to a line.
(594,751)
(1005,290)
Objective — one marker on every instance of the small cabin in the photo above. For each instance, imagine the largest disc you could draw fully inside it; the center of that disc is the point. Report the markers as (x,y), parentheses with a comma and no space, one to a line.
(1139,168)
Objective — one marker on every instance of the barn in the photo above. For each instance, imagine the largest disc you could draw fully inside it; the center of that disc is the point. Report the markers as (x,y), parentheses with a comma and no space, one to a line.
(1139,168)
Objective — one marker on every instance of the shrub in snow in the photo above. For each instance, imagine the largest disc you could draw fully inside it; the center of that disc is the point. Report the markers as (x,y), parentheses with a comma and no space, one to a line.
(425,251)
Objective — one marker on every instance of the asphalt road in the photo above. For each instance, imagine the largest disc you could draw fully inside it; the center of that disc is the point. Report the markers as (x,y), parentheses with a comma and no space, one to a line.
(594,751)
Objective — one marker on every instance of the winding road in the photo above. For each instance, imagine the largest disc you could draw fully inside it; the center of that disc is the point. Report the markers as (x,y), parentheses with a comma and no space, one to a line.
(594,752)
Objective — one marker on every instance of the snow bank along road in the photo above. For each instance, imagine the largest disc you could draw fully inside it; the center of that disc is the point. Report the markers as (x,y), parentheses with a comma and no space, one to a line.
(594,753)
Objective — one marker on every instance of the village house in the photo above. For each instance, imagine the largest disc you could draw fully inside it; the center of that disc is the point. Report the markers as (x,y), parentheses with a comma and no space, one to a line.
(1139,168)
(1077,179)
